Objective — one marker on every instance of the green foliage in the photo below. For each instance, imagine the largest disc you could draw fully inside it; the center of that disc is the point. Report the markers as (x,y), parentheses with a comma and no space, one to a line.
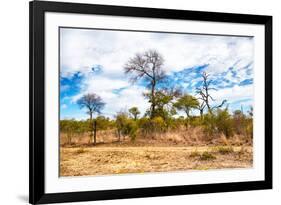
(194,154)
(196,121)
(163,104)
(225,150)
(152,126)
(131,129)
(126,126)
(224,122)
(217,122)
(186,103)
(73,127)
(207,156)
(134,112)
(104,123)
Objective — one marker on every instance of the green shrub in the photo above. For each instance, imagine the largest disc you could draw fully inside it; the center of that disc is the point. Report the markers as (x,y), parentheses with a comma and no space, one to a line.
(224,123)
(126,126)
(152,126)
(194,154)
(225,150)
(217,122)
(207,156)
(131,129)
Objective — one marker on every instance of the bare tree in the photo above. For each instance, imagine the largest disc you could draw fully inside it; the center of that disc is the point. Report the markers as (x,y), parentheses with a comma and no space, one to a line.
(205,97)
(94,104)
(201,108)
(147,66)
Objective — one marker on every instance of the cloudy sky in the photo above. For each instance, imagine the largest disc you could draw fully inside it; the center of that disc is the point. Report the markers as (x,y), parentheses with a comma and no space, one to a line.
(92,61)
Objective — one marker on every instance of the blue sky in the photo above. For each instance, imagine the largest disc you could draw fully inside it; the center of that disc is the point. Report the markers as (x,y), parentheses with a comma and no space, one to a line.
(92,61)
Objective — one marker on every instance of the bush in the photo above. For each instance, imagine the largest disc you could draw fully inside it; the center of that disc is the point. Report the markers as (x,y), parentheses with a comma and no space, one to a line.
(131,129)
(218,122)
(152,126)
(194,154)
(104,123)
(126,126)
(72,127)
(195,121)
(209,123)
(225,150)
(224,123)
(207,156)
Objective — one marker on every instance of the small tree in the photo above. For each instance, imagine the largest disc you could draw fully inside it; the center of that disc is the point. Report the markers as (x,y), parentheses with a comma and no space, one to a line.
(134,112)
(126,126)
(94,104)
(239,122)
(186,103)
(218,122)
(121,121)
(163,103)
(71,128)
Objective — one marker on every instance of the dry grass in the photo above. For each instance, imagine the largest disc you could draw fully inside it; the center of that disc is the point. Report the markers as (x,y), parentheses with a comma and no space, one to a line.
(116,160)
(171,151)
(193,136)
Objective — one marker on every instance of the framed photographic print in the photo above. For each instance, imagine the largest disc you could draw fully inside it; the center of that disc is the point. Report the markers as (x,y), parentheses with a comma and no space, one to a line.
(140,102)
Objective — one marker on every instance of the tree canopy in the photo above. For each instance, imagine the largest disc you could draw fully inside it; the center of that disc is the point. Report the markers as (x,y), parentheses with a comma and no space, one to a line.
(186,103)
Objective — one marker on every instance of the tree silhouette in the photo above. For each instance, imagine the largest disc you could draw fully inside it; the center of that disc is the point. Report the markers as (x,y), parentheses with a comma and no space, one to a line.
(94,104)
(205,96)
(186,103)
(135,112)
(147,66)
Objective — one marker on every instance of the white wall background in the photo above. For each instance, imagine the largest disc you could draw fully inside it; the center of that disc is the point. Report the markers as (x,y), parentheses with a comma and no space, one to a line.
(14,100)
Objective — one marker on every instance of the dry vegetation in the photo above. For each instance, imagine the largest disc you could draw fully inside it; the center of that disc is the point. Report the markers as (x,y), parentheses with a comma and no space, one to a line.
(186,150)
(117,160)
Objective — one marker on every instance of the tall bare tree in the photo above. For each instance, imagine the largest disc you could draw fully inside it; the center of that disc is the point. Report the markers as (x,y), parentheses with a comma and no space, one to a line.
(205,96)
(147,66)
(201,108)
(94,104)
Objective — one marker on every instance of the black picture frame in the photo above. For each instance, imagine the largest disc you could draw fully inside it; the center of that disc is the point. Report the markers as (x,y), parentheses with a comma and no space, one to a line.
(37,10)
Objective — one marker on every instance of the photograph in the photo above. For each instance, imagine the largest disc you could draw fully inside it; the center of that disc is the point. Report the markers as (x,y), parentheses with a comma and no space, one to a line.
(136,102)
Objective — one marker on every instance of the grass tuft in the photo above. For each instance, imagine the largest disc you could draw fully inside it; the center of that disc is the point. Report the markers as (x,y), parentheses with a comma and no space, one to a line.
(225,150)
(207,156)
(80,151)
(194,154)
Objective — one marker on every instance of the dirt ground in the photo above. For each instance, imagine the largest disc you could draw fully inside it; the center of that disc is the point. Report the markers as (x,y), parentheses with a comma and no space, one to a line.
(102,160)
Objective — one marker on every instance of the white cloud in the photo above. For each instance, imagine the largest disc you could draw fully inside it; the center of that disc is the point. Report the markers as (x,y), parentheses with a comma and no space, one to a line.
(236,93)
(127,97)
(81,49)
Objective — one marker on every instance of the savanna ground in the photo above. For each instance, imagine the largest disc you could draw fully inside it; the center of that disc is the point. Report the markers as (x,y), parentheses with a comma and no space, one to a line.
(163,153)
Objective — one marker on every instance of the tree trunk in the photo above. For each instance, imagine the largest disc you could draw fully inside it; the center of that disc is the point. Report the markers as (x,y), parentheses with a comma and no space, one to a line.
(91,127)
(152,100)
(95,132)
(119,135)
(187,120)
(201,114)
